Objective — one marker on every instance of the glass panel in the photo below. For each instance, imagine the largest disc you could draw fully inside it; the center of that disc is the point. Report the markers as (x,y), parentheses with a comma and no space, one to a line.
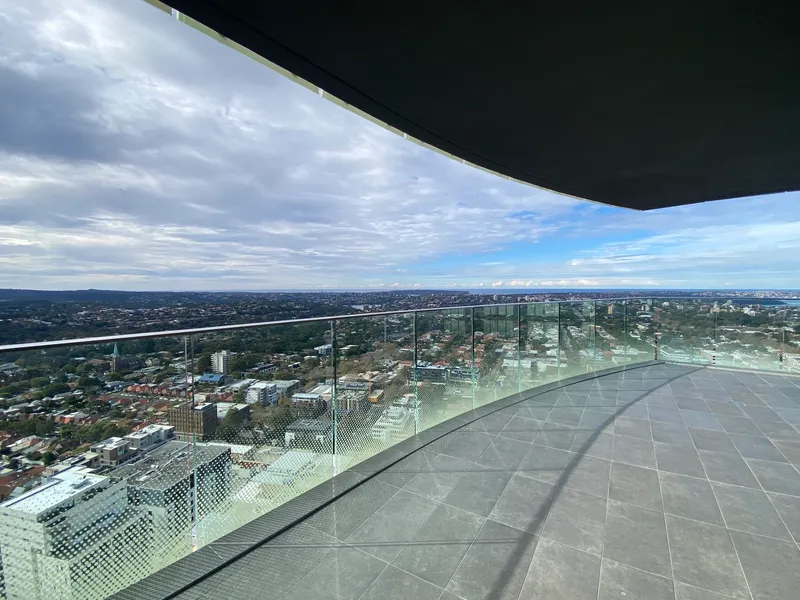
(105,492)
(539,343)
(611,338)
(443,373)
(271,393)
(374,391)
(497,352)
(576,337)
(688,330)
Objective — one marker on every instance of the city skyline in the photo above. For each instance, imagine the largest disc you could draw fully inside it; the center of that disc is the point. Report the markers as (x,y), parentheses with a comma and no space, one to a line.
(150,157)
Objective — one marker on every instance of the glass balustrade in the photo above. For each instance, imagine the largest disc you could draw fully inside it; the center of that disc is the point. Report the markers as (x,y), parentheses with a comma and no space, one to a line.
(138,451)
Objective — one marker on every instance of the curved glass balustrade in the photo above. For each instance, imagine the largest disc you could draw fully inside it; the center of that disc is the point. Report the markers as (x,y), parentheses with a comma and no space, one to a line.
(137,451)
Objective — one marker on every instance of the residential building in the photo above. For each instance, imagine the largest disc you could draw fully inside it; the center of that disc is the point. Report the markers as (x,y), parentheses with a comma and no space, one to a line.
(425,371)
(113,452)
(220,362)
(199,420)
(286,387)
(307,399)
(263,392)
(324,350)
(148,437)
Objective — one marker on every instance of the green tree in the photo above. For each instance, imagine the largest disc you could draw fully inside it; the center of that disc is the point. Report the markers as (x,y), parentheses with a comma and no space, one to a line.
(204,363)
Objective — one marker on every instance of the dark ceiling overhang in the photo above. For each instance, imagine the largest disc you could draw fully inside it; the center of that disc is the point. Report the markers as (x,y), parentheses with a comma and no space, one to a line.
(642,105)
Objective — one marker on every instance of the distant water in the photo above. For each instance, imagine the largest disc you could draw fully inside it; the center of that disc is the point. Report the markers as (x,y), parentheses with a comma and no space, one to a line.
(792,302)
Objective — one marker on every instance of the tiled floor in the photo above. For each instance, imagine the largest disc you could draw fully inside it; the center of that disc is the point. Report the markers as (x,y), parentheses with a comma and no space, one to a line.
(660,483)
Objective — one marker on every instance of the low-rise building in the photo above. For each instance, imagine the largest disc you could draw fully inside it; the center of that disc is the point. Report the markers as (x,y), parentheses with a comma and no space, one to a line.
(113,451)
(307,399)
(309,433)
(151,436)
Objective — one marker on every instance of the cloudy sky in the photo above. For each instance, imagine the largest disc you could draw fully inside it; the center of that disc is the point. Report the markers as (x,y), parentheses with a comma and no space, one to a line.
(136,153)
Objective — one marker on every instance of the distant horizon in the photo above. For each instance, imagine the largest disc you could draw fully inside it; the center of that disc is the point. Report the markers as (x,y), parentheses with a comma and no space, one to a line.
(477,290)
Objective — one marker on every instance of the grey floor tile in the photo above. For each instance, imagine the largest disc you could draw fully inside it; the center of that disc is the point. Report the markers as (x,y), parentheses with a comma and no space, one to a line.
(503,454)
(634,411)
(772,567)
(740,426)
(701,420)
(538,413)
(592,420)
(779,431)
(522,429)
(599,445)
(670,433)
(634,451)
(544,463)
(761,414)
(636,428)
(679,459)
(776,477)
(714,441)
(495,565)
(573,400)
(566,415)
(345,573)
(442,476)
(385,533)
(790,415)
(341,519)
(728,468)
(756,447)
(791,450)
(438,547)
(749,510)
(478,490)
(561,573)
(635,485)
(727,408)
(578,520)
(621,582)
(665,415)
(462,443)
(788,508)
(684,591)
(394,584)
(637,537)
(524,504)
(696,404)
(689,497)
(703,555)
(277,565)
(665,400)
(556,435)
(588,474)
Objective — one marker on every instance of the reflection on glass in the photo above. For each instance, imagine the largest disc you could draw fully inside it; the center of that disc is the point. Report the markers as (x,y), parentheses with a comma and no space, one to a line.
(497,353)
(444,371)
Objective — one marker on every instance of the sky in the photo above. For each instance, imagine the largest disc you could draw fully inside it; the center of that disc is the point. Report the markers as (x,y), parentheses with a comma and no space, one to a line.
(137,153)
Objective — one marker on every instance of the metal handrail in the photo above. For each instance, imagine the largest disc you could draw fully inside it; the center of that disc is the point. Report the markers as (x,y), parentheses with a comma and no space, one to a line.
(239,326)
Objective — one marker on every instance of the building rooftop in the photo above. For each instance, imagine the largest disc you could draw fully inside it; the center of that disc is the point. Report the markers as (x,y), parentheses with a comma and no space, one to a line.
(54,491)
(163,467)
(664,481)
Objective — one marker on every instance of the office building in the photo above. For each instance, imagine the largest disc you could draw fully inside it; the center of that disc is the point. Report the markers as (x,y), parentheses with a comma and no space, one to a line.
(220,362)
(199,420)
(71,538)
